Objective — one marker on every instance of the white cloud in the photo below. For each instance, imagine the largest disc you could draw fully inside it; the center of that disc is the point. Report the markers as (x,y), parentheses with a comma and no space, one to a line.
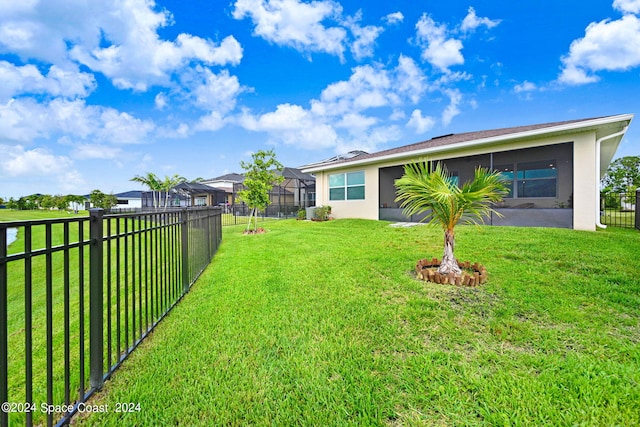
(365,37)
(161,101)
(420,123)
(293,125)
(117,38)
(471,22)
(9,7)
(368,141)
(368,87)
(27,79)
(40,167)
(606,46)
(356,123)
(394,18)
(411,81)
(122,128)
(437,48)
(215,92)
(182,130)
(347,112)
(452,110)
(525,86)
(18,162)
(295,24)
(627,6)
(96,151)
(139,64)
(23,120)
(211,122)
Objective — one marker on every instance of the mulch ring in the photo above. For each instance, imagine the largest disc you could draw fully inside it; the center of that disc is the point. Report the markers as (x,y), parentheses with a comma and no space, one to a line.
(472,274)
(259,230)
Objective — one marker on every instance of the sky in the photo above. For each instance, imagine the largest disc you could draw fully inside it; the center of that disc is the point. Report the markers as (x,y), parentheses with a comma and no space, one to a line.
(93,93)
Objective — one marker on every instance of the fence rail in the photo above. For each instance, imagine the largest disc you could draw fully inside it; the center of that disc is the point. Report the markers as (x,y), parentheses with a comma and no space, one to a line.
(232,214)
(619,210)
(78,295)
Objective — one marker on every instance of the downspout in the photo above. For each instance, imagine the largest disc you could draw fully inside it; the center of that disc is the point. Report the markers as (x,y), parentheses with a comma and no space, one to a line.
(598,143)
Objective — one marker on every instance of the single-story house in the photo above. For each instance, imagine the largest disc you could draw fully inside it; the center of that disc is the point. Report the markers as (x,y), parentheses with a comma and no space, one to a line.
(126,200)
(301,185)
(553,172)
(197,194)
(297,188)
(227,183)
(129,199)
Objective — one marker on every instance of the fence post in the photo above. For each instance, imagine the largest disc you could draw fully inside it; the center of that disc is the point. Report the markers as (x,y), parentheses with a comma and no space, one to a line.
(637,212)
(185,252)
(4,367)
(96,344)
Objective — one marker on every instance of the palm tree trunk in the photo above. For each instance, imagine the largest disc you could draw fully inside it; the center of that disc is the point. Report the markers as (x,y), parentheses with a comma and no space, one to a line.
(449,263)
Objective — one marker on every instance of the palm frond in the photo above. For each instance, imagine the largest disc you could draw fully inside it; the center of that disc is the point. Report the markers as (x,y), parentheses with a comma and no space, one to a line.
(434,193)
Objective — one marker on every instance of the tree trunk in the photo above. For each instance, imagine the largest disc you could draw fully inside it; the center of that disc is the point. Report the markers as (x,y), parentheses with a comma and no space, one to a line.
(250,217)
(255,219)
(449,263)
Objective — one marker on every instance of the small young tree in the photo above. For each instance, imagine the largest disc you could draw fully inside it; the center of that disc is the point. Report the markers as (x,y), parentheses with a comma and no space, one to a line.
(260,177)
(437,195)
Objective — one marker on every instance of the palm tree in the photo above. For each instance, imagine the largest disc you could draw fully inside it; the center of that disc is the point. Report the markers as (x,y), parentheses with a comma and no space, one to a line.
(444,203)
(168,183)
(153,183)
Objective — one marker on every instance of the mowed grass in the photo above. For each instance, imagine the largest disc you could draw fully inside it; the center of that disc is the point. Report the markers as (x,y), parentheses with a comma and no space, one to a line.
(70,294)
(324,324)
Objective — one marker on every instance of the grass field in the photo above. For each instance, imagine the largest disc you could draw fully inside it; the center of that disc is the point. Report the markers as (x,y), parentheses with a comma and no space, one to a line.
(617,218)
(153,289)
(324,324)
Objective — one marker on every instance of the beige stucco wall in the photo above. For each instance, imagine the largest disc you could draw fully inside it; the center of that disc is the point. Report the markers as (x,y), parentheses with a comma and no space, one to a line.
(365,209)
(585,200)
(585,182)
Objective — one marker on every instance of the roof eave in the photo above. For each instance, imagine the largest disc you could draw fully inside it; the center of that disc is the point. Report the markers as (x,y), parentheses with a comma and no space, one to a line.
(548,131)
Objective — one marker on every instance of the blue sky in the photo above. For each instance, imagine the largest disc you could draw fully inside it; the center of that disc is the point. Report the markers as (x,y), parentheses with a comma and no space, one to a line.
(94,93)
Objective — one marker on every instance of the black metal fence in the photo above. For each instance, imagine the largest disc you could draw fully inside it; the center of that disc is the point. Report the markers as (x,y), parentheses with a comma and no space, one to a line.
(637,209)
(78,295)
(239,214)
(619,210)
(232,214)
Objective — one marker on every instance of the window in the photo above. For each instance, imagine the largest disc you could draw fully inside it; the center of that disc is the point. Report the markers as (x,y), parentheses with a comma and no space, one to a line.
(530,179)
(454,178)
(346,186)
(537,179)
(506,172)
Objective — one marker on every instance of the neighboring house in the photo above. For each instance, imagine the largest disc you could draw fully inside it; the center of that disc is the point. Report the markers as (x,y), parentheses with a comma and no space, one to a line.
(198,194)
(226,183)
(553,172)
(301,185)
(297,189)
(126,200)
(129,200)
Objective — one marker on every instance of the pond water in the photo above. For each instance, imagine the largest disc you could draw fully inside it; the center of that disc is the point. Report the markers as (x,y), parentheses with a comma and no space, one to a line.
(12,235)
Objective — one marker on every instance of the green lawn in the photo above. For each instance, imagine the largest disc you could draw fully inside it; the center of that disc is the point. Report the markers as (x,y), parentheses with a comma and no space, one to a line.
(323,324)
(617,218)
(76,297)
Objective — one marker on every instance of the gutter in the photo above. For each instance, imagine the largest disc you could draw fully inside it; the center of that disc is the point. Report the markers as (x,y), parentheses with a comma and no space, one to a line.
(541,132)
(598,143)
